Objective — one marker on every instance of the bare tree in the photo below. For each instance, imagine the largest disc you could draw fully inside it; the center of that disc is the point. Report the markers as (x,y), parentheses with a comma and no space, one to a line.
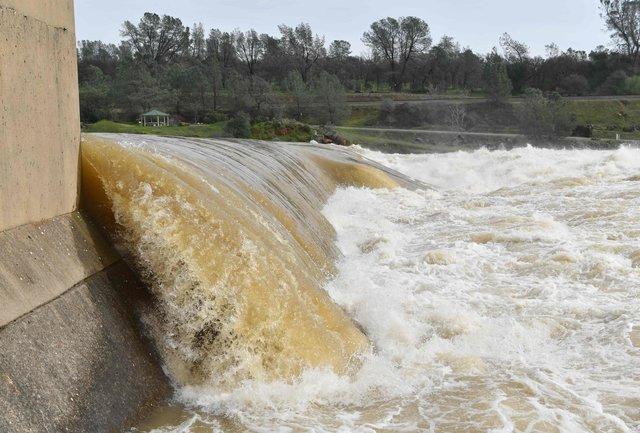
(513,50)
(458,117)
(249,48)
(623,19)
(398,41)
(552,50)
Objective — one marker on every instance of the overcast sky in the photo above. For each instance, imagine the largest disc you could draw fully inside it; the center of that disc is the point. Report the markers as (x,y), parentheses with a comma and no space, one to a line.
(473,23)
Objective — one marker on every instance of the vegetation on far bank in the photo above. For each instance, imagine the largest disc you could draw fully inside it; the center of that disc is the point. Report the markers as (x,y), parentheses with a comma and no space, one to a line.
(606,118)
(279,130)
(201,131)
(213,77)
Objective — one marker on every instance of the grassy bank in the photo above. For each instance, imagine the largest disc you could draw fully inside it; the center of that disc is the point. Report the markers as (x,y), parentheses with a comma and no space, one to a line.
(608,116)
(272,130)
(200,131)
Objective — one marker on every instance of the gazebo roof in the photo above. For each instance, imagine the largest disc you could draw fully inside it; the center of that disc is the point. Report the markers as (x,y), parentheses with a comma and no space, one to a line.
(155,113)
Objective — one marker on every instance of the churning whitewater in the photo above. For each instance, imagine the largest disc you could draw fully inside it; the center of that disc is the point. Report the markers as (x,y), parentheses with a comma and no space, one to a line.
(499,292)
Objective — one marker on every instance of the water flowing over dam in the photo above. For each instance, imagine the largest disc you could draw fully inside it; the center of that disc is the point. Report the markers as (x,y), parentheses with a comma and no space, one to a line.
(302,287)
(231,240)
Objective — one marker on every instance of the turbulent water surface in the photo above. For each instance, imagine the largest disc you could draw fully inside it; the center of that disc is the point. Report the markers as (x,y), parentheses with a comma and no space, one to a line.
(503,298)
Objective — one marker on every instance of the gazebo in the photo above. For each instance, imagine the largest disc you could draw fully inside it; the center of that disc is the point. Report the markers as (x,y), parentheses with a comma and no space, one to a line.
(155,118)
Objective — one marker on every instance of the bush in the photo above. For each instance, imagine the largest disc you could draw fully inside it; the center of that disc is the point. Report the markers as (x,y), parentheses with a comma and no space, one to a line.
(282,130)
(239,126)
(545,116)
(386,113)
(615,84)
(633,85)
(575,85)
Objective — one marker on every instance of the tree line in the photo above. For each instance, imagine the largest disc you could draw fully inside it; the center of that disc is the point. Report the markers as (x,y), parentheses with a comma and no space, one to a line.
(205,76)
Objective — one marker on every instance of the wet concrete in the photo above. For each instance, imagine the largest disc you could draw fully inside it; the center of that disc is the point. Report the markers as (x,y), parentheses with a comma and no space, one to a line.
(41,261)
(79,363)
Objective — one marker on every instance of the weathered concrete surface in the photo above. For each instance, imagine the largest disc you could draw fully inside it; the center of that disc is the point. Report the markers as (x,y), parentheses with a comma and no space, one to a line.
(39,114)
(41,261)
(78,363)
(56,13)
(72,357)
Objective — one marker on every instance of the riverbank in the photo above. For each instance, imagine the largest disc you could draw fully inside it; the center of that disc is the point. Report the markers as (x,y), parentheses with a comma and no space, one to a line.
(393,140)
(606,116)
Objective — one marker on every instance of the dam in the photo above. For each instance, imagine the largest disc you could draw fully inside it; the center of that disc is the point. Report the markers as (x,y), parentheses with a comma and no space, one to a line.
(155,284)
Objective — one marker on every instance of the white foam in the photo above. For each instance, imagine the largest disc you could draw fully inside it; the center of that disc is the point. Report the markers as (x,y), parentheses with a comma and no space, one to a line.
(503,301)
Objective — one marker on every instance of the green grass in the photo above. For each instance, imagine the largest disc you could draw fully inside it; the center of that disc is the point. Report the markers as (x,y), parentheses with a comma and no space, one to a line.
(284,130)
(362,116)
(609,117)
(405,96)
(279,131)
(200,131)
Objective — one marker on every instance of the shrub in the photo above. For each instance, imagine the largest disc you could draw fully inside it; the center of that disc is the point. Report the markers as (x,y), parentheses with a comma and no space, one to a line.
(282,130)
(386,112)
(575,85)
(545,116)
(239,126)
(615,84)
(633,85)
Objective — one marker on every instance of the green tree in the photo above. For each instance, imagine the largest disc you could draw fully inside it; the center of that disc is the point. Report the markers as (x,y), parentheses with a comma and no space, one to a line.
(157,40)
(239,126)
(575,85)
(198,42)
(398,41)
(330,98)
(496,80)
(137,91)
(520,66)
(623,20)
(300,96)
(95,98)
(339,50)
(615,84)
(252,95)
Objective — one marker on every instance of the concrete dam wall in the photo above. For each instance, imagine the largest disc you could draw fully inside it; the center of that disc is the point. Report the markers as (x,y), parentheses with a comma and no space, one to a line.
(71,353)
(39,116)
